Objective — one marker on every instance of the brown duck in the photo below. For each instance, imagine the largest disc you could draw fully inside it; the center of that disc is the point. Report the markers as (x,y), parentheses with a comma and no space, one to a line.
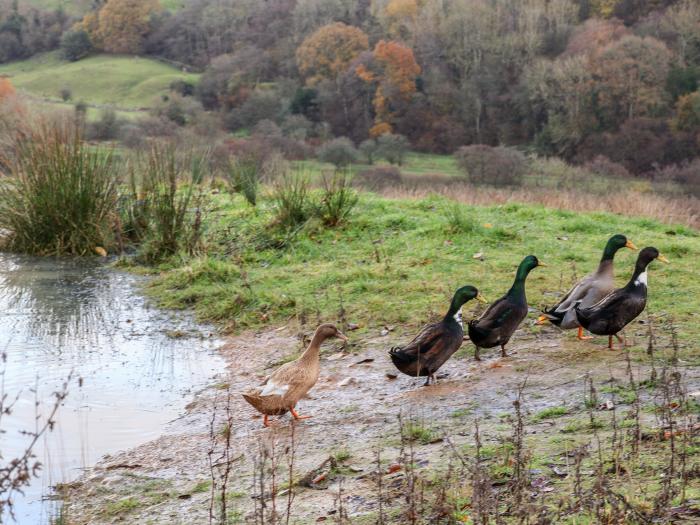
(290,382)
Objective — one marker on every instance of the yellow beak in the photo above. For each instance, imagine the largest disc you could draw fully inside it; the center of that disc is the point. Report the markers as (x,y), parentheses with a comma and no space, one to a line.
(630,245)
(663,259)
(481,298)
(542,319)
(540,263)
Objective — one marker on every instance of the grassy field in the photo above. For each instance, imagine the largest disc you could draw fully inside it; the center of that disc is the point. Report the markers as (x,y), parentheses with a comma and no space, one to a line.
(127,83)
(398,261)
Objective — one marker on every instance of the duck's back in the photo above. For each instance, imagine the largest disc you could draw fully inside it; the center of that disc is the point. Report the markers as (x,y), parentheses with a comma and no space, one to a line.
(498,323)
(429,350)
(613,312)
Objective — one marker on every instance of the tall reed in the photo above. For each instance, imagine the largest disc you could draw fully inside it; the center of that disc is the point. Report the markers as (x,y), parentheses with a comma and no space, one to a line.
(60,194)
(164,212)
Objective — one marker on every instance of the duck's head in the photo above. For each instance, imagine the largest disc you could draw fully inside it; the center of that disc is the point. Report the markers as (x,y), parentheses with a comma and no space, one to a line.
(528,264)
(328,330)
(617,242)
(649,254)
(467,293)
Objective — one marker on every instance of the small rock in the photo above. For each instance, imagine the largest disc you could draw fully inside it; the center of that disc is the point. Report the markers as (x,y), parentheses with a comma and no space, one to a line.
(391,375)
(478,255)
(606,405)
(384,332)
(347,381)
(353,326)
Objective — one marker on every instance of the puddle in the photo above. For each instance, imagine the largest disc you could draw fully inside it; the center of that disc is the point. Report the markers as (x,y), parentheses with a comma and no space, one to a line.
(131,377)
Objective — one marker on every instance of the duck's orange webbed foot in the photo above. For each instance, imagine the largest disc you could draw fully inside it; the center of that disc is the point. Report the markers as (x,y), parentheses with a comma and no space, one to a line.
(582,337)
(266,421)
(297,416)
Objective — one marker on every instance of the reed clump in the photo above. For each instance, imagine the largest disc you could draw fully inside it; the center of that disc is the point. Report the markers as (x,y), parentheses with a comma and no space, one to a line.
(60,195)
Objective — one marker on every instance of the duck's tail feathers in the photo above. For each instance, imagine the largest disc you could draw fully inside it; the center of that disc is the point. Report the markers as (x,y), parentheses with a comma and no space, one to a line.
(398,355)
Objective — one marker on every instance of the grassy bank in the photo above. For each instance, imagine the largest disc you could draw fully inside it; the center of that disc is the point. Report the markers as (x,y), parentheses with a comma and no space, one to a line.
(398,261)
(121,81)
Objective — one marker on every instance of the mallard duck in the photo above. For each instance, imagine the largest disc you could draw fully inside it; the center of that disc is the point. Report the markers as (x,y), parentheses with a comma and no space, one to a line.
(588,290)
(496,326)
(290,382)
(436,342)
(620,307)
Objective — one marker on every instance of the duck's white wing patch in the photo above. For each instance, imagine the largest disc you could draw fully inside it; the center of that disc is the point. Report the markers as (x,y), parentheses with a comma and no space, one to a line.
(273,389)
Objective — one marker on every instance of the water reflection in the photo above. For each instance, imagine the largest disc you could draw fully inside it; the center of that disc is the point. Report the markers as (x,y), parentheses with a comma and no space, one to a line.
(63,315)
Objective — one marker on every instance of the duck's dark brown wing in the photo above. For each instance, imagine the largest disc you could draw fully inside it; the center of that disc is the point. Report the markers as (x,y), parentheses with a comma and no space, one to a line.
(429,350)
(612,313)
(497,324)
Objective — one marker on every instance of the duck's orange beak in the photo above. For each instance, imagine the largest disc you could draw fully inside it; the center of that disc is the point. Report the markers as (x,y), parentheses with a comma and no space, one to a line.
(663,259)
(629,244)
(342,336)
(542,319)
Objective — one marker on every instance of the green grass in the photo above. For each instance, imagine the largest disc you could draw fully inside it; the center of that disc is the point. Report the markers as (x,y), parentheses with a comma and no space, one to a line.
(399,261)
(549,413)
(127,83)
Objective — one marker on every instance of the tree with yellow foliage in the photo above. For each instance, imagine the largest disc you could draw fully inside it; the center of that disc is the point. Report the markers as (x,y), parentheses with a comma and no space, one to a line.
(121,26)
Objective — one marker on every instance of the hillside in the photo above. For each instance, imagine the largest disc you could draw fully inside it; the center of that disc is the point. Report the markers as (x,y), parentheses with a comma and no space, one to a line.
(128,83)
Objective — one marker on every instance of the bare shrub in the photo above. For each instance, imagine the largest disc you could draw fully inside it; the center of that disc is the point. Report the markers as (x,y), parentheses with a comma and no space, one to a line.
(375,179)
(497,166)
(687,175)
(339,152)
(393,147)
(17,473)
(604,167)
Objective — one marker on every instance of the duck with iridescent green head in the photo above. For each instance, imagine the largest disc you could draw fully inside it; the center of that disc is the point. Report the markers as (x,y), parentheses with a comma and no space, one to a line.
(498,323)
(588,291)
(436,342)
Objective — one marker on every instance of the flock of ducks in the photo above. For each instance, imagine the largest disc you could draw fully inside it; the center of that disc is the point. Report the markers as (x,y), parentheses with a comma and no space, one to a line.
(593,304)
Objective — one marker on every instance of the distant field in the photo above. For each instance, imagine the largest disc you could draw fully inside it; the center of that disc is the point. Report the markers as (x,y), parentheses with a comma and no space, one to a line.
(123,82)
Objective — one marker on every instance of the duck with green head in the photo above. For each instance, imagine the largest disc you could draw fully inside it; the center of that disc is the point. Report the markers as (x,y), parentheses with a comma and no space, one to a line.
(588,290)
(436,342)
(498,323)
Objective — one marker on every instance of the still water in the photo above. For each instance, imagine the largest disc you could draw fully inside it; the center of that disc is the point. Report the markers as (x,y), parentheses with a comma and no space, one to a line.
(130,375)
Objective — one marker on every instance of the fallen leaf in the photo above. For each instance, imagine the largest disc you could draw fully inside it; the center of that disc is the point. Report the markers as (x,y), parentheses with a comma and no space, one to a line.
(393,468)
(99,250)
(347,381)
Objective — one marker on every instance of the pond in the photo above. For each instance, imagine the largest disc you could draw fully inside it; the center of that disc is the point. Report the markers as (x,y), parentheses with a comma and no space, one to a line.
(133,367)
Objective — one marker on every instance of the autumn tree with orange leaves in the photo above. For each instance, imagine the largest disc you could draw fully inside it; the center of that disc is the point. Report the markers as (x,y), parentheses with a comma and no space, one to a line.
(328,52)
(7,90)
(394,70)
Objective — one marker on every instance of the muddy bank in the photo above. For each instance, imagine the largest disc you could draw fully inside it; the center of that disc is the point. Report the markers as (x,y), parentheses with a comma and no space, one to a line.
(354,408)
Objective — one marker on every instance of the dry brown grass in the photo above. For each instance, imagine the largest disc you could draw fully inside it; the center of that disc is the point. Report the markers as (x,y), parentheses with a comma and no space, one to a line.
(673,210)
